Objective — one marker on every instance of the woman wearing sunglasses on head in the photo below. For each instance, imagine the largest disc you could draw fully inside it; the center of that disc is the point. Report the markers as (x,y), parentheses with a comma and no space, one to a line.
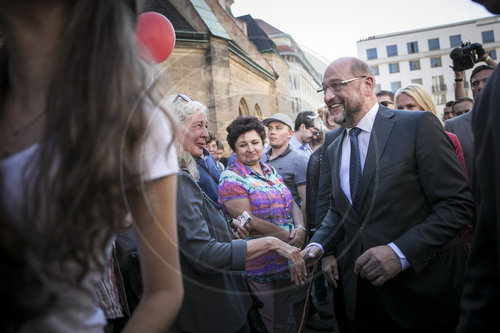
(213,253)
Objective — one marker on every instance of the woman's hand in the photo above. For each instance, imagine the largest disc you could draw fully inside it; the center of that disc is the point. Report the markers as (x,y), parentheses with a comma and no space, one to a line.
(240,232)
(297,237)
(298,270)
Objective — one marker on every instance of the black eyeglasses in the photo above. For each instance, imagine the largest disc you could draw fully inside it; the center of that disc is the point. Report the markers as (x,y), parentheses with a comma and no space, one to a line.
(386,103)
(337,86)
(314,131)
(185,98)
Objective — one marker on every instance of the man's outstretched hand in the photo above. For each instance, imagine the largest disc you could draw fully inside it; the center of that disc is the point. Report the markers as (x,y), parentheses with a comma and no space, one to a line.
(311,254)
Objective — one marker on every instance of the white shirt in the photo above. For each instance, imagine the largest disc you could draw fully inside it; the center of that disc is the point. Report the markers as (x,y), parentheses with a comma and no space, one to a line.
(366,125)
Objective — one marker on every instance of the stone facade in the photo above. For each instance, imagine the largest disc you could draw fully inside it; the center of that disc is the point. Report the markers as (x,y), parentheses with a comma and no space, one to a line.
(214,62)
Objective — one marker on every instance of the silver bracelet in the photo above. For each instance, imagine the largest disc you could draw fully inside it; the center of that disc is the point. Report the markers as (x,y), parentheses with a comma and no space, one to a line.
(301,227)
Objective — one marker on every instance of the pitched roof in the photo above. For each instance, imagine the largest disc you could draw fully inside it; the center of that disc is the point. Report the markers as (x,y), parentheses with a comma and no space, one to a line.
(269,29)
(210,19)
(169,11)
(256,35)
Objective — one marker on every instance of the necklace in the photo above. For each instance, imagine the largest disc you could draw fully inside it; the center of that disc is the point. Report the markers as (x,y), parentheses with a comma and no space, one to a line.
(15,139)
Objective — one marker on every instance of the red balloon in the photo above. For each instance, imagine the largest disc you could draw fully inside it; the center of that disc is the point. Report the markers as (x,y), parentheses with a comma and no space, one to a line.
(155,36)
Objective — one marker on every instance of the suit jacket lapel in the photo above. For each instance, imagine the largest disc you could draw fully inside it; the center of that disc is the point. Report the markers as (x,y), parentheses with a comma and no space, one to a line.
(381,131)
(338,194)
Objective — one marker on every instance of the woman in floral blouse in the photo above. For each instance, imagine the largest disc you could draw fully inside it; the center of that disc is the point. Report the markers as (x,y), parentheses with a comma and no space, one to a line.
(252,186)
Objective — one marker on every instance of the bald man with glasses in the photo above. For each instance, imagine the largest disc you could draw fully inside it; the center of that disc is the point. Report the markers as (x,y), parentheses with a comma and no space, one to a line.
(391,220)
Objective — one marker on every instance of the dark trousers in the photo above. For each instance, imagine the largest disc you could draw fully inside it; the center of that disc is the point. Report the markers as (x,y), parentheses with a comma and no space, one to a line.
(371,316)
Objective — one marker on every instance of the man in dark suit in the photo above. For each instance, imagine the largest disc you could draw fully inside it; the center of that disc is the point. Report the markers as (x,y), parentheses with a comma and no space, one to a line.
(461,125)
(397,198)
(481,296)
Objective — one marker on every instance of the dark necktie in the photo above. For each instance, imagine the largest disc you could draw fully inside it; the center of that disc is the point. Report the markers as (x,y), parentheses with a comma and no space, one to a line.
(355,168)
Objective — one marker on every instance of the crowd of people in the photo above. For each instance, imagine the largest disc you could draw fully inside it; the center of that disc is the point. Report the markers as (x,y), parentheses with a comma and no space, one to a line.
(119,212)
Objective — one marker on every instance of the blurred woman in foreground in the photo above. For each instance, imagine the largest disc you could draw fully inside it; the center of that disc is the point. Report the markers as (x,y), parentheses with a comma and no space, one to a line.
(81,146)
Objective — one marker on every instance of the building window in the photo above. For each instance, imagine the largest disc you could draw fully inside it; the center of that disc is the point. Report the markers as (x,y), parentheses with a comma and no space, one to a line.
(392,50)
(417,81)
(455,40)
(394,68)
(433,44)
(378,87)
(374,70)
(440,98)
(412,47)
(438,85)
(395,86)
(436,62)
(243,108)
(439,89)
(371,53)
(488,36)
(414,65)
(493,54)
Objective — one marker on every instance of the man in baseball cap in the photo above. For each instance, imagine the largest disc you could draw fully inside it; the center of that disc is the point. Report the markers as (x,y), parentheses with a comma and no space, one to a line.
(290,164)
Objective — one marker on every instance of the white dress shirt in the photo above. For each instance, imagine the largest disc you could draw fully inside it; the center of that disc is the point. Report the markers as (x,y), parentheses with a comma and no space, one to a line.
(366,125)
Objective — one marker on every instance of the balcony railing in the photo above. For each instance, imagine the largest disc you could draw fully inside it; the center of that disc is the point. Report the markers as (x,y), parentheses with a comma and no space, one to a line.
(439,88)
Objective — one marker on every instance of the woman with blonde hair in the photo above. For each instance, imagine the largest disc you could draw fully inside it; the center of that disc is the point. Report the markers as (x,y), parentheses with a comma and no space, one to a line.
(414,97)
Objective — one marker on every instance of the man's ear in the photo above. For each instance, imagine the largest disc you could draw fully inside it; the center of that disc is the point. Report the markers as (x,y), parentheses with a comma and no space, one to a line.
(369,85)
(302,127)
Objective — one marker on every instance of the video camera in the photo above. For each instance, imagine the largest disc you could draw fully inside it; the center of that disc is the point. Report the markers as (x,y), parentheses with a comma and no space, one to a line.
(465,56)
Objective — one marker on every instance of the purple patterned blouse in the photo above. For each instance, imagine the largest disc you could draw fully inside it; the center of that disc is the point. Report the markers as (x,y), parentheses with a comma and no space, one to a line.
(270,200)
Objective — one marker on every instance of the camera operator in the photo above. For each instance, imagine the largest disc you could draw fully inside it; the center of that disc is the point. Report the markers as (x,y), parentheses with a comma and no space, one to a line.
(464,58)
(461,126)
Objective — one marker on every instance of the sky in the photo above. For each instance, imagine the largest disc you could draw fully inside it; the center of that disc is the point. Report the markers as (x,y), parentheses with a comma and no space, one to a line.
(331,28)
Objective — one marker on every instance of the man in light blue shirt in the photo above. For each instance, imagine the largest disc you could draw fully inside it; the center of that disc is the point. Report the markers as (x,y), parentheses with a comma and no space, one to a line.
(307,126)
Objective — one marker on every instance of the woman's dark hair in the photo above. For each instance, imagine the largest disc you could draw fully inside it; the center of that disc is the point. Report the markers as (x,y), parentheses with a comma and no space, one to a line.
(20,287)
(244,124)
(95,122)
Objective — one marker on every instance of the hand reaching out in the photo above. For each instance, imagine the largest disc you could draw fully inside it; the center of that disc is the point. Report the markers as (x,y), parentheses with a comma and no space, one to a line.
(311,254)
(298,270)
